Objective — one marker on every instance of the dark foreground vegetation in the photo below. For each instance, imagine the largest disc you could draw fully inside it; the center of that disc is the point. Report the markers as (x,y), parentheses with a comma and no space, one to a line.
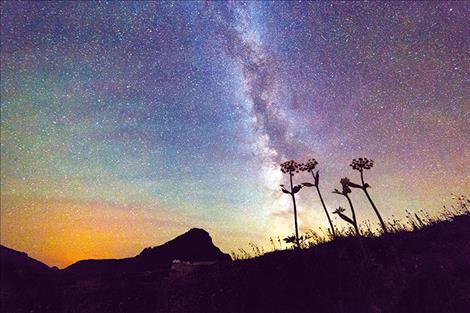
(424,270)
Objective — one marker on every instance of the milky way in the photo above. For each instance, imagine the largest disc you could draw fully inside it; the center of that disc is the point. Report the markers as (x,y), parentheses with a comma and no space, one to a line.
(126,123)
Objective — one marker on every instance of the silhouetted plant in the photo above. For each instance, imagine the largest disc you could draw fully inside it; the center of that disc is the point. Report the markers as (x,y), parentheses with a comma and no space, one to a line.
(291,167)
(309,167)
(280,242)
(462,205)
(303,240)
(366,229)
(360,165)
(414,220)
(256,250)
(345,182)
(314,238)
(241,255)
(272,243)
(291,240)
(276,243)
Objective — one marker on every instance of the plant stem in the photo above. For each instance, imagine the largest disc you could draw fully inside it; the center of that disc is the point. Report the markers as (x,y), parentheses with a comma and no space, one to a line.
(326,211)
(382,223)
(295,213)
(356,227)
(358,233)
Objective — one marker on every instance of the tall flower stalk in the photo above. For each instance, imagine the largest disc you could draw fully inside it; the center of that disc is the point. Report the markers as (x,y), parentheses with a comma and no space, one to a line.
(309,167)
(291,167)
(346,190)
(345,182)
(360,165)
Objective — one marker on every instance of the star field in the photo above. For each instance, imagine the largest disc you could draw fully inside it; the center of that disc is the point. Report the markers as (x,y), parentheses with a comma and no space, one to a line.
(124,124)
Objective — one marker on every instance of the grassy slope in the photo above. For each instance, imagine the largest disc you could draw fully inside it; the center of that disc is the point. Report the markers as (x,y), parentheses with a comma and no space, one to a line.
(427,270)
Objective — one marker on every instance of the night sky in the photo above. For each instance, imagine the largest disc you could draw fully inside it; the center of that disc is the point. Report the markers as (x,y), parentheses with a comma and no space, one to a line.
(125,124)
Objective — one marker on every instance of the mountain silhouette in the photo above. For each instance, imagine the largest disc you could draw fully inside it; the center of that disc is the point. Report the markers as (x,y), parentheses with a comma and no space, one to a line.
(194,245)
(13,261)
(22,275)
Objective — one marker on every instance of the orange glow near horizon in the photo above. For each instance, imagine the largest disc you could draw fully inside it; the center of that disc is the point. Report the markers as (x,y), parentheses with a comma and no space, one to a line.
(62,232)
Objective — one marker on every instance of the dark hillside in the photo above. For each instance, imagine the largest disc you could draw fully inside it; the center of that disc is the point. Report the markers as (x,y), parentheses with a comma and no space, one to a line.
(194,245)
(425,270)
(25,281)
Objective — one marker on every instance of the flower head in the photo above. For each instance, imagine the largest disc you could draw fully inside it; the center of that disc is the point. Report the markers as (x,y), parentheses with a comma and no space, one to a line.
(345,183)
(310,165)
(362,164)
(290,239)
(291,167)
(339,210)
